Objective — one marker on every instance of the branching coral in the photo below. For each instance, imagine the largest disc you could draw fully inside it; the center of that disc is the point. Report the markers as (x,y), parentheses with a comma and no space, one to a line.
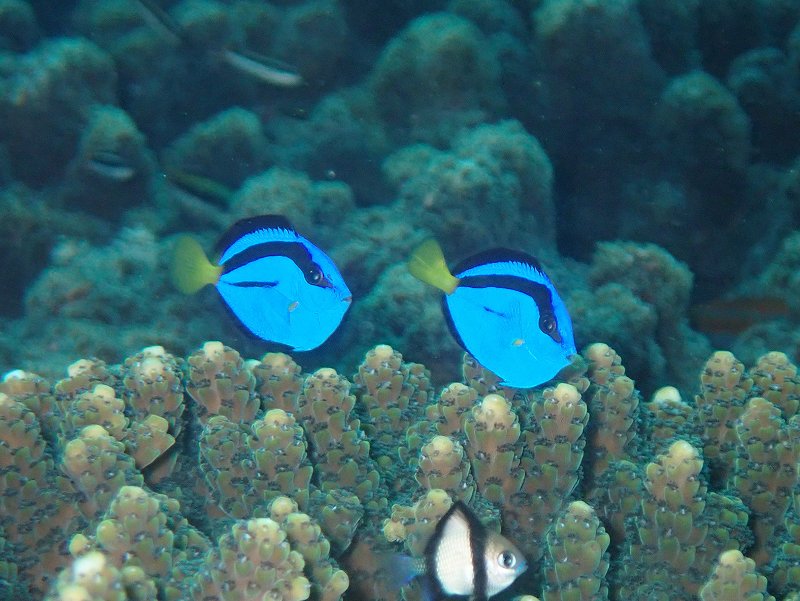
(253,561)
(576,560)
(294,473)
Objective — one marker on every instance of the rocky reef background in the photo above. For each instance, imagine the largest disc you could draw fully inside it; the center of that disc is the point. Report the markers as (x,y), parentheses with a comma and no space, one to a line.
(646,151)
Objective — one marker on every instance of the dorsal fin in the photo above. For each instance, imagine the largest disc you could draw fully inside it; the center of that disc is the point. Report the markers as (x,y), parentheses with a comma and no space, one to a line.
(496,255)
(249,225)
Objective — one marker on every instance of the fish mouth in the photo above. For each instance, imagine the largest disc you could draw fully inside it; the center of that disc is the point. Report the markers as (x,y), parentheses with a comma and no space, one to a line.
(348,299)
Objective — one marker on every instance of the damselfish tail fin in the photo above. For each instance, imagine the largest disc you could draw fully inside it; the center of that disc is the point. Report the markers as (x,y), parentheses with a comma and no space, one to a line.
(428,265)
(400,571)
(191,269)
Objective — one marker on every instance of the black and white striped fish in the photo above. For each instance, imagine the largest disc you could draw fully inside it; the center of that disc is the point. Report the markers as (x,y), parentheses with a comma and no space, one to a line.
(464,558)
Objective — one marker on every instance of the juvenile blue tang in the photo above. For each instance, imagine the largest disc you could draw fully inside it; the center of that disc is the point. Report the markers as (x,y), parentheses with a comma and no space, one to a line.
(278,284)
(503,310)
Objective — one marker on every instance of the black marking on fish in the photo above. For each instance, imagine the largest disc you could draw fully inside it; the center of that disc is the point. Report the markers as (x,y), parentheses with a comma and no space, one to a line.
(253,284)
(539,293)
(498,313)
(297,252)
(477,540)
(448,318)
(477,544)
(250,225)
(497,255)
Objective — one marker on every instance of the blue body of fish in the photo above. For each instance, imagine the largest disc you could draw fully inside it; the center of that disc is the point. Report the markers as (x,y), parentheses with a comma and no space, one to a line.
(508,315)
(281,287)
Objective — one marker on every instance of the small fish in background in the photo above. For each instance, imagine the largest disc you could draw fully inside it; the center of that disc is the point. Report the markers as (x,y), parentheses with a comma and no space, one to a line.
(462,557)
(278,284)
(735,315)
(199,199)
(206,189)
(503,310)
(161,21)
(264,68)
(724,319)
(110,165)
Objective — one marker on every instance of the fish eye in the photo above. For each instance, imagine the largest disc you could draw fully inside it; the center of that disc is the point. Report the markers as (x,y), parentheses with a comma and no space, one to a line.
(314,275)
(548,325)
(507,560)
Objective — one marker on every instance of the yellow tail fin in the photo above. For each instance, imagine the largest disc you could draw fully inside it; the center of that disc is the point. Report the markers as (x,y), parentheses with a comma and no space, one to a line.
(428,265)
(191,269)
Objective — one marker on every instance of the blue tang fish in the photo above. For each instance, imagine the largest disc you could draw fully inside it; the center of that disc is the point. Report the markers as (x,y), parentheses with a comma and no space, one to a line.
(278,284)
(503,310)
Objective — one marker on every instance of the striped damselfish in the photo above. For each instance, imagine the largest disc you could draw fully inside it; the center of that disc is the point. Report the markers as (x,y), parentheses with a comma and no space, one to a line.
(462,557)
(279,285)
(503,310)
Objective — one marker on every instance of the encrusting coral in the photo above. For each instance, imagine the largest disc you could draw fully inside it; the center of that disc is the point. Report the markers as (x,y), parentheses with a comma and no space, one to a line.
(265,482)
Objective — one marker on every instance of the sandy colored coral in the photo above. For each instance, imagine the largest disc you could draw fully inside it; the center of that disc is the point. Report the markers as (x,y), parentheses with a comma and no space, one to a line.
(776,378)
(279,453)
(576,562)
(328,582)
(98,467)
(220,383)
(312,471)
(614,409)
(554,450)
(676,541)
(494,447)
(670,414)
(253,560)
(765,472)
(34,392)
(724,388)
(145,537)
(153,386)
(339,513)
(91,577)
(338,449)
(735,579)
(278,381)
(98,406)
(37,502)
(452,404)
(393,393)
(414,525)
(604,363)
(148,440)
(443,464)
(82,376)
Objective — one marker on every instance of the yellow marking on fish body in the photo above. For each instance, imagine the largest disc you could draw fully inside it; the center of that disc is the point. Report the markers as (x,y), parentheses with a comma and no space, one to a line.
(293,306)
(190,268)
(428,265)
(518,342)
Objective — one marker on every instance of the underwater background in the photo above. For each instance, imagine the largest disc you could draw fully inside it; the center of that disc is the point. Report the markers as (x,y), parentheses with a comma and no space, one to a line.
(647,152)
